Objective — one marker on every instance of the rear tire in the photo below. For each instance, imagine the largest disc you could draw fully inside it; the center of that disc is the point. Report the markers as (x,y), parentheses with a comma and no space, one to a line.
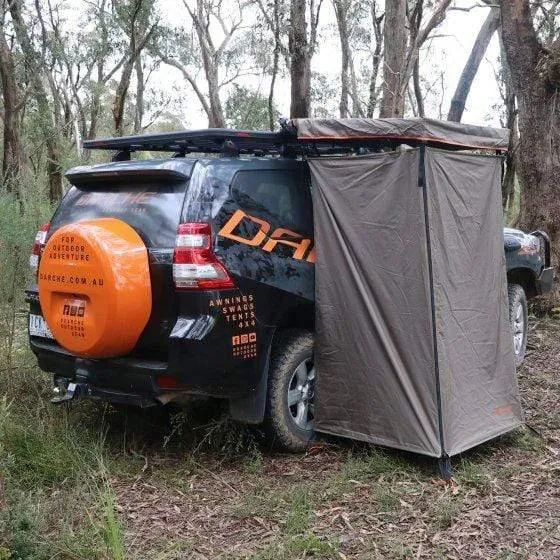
(518,318)
(291,386)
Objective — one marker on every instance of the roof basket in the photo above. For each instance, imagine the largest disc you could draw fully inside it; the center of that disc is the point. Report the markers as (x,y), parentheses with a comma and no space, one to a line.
(212,140)
(313,137)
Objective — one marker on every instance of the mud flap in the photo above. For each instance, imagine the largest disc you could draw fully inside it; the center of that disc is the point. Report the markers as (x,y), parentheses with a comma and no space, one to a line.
(250,409)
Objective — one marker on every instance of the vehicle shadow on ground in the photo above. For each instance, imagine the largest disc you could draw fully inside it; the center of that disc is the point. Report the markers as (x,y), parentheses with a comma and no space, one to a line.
(204,429)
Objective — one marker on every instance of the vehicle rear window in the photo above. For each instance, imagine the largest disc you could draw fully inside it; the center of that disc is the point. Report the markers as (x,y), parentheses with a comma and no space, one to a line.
(151,209)
(283,194)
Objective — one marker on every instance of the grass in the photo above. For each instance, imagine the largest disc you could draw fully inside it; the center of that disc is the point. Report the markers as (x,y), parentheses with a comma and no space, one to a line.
(45,454)
(527,440)
(300,511)
(473,474)
(262,501)
(387,501)
(112,531)
(303,546)
(445,512)
(89,482)
(373,463)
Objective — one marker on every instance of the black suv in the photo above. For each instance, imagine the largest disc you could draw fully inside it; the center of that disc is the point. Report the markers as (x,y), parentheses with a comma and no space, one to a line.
(230,259)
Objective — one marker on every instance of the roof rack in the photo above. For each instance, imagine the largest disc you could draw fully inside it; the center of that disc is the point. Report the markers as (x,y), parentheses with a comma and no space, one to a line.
(312,137)
(211,140)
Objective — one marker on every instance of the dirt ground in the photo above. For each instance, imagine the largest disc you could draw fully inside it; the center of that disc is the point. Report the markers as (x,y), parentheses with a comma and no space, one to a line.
(343,500)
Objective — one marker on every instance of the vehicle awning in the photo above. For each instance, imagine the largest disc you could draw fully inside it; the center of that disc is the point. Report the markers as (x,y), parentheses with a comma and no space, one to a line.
(429,131)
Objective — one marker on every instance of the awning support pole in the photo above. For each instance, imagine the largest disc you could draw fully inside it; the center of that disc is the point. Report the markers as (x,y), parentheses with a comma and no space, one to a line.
(445,468)
(422,183)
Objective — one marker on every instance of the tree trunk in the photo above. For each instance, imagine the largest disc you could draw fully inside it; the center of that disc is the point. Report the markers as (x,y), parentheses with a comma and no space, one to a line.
(270,102)
(402,49)
(341,11)
(120,95)
(508,183)
(534,72)
(481,43)
(357,109)
(35,71)
(210,60)
(12,149)
(395,35)
(418,89)
(300,65)
(376,59)
(510,102)
(140,85)
(216,119)
(94,111)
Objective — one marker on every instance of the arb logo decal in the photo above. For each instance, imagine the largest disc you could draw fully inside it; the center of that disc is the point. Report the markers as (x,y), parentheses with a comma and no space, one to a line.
(302,247)
(74,309)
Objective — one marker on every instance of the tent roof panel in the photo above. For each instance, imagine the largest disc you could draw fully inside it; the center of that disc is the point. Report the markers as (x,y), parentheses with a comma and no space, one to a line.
(429,131)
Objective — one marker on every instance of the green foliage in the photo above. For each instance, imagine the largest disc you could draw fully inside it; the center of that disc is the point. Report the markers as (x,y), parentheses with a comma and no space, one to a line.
(19,221)
(388,500)
(474,474)
(111,526)
(374,463)
(300,511)
(42,455)
(445,512)
(323,96)
(19,531)
(526,439)
(248,109)
(304,546)
(254,462)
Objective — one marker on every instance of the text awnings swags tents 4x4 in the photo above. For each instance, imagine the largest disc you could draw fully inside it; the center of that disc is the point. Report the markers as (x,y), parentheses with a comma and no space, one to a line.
(413,346)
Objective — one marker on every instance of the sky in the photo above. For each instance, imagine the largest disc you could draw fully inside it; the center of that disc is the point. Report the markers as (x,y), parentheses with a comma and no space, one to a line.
(448,53)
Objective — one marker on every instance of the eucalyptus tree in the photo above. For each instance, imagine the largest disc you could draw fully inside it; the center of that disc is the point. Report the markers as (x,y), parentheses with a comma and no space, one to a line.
(302,45)
(487,30)
(531,38)
(36,73)
(407,26)
(275,16)
(360,35)
(212,41)
(136,20)
(13,101)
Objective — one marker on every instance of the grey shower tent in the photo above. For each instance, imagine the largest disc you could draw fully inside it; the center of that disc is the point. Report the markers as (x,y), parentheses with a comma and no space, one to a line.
(413,344)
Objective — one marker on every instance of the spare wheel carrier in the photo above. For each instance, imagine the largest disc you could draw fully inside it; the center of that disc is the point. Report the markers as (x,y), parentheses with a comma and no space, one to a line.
(94,287)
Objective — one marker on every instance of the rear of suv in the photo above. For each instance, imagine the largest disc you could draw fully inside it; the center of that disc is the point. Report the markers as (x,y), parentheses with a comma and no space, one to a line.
(228,273)
(167,279)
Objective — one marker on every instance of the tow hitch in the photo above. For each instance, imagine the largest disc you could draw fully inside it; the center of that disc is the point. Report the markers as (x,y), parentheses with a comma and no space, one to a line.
(65,391)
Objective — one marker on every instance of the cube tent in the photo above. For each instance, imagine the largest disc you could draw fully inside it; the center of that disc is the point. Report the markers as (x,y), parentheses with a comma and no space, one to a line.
(413,342)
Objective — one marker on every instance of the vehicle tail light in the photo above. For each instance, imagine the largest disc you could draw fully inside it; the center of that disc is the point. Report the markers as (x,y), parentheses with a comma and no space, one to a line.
(195,266)
(38,246)
(168,382)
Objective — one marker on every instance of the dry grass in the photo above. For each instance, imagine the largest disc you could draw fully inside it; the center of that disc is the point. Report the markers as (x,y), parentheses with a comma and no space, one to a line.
(349,501)
(341,500)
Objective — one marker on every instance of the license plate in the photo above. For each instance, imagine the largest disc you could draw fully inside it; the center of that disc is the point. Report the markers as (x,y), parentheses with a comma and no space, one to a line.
(38,327)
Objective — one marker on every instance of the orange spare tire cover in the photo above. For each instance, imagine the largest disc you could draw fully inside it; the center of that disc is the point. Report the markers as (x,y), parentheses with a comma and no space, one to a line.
(94,287)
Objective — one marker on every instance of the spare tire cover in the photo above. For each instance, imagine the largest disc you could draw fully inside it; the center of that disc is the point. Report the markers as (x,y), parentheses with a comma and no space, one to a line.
(94,287)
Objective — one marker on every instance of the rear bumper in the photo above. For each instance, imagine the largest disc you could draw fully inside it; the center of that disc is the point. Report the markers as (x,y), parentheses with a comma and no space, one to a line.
(545,281)
(122,380)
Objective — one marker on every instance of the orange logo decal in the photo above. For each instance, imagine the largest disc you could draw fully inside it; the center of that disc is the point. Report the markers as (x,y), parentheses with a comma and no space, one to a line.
(280,236)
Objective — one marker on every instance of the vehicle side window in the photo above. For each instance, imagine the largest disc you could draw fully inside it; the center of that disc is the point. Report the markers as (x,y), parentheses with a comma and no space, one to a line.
(283,194)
